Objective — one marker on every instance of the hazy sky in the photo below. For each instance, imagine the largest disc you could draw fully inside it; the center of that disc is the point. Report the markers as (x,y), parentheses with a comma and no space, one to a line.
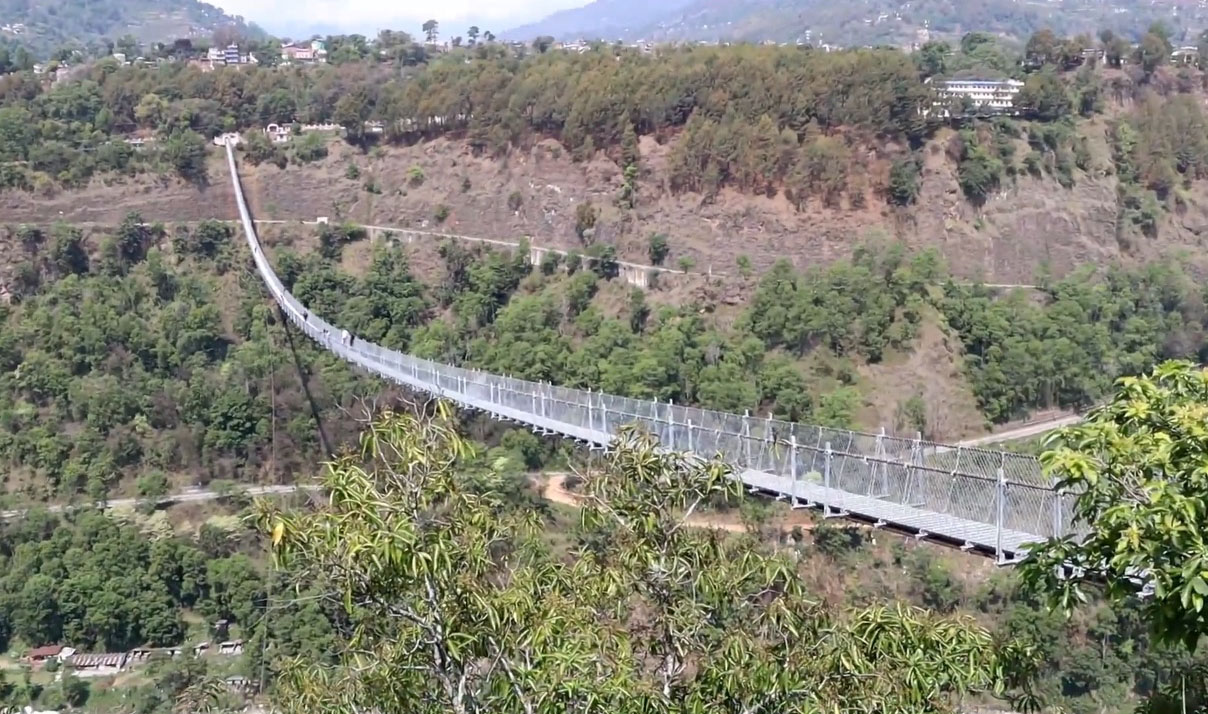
(368,16)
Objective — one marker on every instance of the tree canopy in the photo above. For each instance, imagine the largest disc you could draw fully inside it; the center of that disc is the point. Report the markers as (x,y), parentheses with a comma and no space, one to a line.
(1135,473)
(454,607)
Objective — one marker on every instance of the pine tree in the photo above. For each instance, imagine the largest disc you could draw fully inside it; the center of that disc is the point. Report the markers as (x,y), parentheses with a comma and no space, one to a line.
(630,154)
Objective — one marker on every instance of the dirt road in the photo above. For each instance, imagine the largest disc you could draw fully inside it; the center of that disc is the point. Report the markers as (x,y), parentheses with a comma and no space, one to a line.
(555,491)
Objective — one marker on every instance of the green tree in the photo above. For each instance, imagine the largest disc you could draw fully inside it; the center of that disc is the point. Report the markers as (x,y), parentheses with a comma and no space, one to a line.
(1043,48)
(1152,52)
(463,613)
(978,173)
(903,182)
(351,112)
(152,485)
(658,248)
(1134,471)
(67,252)
(259,149)
(1044,96)
(630,155)
(185,152)
(932,58)
(431,30)
(586,216)
(151,110)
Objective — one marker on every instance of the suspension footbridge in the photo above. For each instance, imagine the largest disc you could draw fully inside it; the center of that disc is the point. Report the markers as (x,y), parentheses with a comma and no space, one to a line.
(989,501)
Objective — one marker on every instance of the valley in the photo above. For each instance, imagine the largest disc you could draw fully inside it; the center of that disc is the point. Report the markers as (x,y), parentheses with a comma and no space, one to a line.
(789,236)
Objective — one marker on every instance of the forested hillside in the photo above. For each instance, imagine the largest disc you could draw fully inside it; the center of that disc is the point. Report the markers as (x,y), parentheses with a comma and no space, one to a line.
(152,348)
(43,26)
(884,22)
(720,160)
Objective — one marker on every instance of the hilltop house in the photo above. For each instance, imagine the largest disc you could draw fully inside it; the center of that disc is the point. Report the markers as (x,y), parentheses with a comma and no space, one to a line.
(304,52)
(278,133)
(977,95)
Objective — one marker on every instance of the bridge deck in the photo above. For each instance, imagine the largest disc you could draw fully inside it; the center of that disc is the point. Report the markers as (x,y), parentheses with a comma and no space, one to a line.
(959,530)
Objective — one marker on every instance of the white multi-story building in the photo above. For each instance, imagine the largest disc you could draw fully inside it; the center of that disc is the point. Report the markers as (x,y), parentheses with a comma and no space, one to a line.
(983,95)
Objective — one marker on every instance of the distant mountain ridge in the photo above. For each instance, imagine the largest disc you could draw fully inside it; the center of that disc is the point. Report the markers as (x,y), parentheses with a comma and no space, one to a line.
(45,25)
(858,22)
(602,19)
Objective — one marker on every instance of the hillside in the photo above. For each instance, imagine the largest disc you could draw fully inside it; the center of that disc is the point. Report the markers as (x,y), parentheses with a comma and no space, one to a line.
(871,22)
(43,26)
(821,229)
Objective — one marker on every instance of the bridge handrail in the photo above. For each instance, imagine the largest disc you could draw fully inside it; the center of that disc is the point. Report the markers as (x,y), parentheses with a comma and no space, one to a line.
(998,488)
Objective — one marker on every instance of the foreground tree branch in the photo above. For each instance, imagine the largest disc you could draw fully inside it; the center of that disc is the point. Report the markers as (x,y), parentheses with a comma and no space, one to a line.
(457,605)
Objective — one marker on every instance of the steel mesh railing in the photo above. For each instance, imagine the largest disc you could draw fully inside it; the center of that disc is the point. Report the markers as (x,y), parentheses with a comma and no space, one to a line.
(1005,491)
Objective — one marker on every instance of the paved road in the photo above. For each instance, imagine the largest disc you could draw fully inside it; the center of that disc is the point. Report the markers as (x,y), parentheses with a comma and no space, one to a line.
(189,496)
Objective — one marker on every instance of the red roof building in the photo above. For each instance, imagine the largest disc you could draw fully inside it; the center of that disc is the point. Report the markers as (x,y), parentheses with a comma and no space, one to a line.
(41,654)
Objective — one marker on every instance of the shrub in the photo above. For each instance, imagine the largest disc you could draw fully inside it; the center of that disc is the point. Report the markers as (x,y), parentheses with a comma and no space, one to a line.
(550,262)
(310,147)
(903,182)
(585,220)
(573,262)
(837,542)
(658,249)
(442,213)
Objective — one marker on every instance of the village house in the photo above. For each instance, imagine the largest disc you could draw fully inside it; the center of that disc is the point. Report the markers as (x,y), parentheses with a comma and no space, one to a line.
(231,647)
(139,143)
(296,53)
(304,52)
(98,665)
(1185,55)
(38,656)
(278,133)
